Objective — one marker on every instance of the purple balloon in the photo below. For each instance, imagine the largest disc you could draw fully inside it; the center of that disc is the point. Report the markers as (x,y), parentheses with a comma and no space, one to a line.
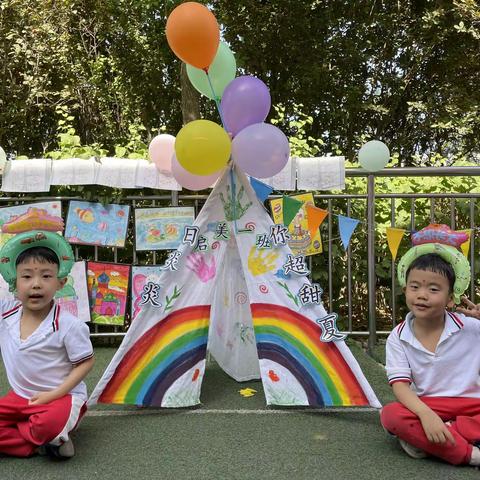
(191,181)
(261,150)
(245,101)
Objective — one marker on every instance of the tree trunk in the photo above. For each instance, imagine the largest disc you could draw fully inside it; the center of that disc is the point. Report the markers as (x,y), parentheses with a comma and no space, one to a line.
(190,98)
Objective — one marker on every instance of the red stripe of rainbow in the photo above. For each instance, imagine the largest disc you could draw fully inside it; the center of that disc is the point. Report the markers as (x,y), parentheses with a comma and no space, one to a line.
(292,340)
(159,357)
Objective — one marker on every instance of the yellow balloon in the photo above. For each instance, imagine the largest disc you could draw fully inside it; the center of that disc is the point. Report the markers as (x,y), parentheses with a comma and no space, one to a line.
(202,147)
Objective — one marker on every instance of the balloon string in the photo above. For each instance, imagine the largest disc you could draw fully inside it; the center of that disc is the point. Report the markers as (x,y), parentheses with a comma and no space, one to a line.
(234,213)
(225,126)
(215,98)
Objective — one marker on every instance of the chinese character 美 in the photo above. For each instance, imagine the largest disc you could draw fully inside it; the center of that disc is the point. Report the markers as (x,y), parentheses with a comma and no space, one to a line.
(190,235)
(328,325)
(172,260)
(296,265)
(279,235)
(202,244)
(262,241)
(222,231)
(150,294)
(310,293)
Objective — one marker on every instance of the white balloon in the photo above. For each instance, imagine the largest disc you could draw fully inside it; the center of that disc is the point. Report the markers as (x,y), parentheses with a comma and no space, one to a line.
(374,156)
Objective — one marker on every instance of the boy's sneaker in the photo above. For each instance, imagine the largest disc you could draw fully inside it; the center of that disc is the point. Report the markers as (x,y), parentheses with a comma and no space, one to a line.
(412,451)
(63,451)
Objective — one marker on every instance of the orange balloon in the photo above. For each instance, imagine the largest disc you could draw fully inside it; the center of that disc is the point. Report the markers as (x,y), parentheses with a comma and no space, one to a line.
(193,34)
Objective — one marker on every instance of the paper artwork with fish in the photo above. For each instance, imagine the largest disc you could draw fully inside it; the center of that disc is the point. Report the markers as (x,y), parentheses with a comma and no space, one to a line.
(161,228)
(96,224)
(32,216)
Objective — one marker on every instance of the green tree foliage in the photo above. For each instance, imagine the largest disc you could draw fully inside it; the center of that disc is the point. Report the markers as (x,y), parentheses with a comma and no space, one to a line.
(403,72)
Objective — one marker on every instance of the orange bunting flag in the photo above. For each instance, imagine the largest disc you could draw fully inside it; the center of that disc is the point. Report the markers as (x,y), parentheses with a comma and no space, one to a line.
(465,246)
(315,217)
(394,237)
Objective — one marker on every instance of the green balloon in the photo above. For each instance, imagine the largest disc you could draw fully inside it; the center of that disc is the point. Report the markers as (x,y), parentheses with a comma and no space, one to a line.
(221,72)
(374,155)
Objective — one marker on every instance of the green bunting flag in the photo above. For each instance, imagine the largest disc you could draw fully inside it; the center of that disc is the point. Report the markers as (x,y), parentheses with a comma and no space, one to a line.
(290,209)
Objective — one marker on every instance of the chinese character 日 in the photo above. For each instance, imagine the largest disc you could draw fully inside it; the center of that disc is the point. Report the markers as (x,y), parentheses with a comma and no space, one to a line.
(190,235)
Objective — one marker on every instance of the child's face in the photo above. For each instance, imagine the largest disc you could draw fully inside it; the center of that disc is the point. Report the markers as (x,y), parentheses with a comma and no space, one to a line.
(427,294)
(37,284)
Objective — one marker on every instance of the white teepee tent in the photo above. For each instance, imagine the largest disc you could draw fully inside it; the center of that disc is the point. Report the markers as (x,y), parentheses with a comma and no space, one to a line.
(225,289)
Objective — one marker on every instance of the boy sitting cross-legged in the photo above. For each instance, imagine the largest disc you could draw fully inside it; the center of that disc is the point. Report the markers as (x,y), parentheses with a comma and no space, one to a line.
(433,361)
(46,352)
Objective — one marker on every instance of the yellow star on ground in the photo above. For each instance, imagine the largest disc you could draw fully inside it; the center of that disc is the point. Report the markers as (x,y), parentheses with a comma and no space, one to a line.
(247,392)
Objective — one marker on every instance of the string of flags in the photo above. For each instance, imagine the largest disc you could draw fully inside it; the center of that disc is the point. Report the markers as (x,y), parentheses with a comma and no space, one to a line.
(395,236)
(346,225)
(315,215)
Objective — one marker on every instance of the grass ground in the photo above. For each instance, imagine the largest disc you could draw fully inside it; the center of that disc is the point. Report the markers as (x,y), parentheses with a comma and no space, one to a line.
(232,437)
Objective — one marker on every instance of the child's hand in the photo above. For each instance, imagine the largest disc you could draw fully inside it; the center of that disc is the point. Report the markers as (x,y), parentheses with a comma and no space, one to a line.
(471,309)
(435,429)
(42,398)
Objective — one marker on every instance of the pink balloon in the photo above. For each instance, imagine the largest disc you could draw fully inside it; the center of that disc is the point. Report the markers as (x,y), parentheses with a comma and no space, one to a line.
(191,181)
(161,149)
(261,150)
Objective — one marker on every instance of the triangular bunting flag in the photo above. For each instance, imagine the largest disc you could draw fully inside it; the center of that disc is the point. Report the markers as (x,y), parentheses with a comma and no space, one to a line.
(262,190)
(346,225)
(315,217)
(290,209)
(465,246)
(394,237)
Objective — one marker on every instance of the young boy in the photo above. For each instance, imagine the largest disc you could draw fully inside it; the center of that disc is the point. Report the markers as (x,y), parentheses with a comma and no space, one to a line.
(46,351)
(433,361)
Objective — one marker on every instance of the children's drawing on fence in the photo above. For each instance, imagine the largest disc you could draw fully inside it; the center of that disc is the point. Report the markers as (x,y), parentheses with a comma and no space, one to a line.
(96,224)
(145,288)
(161,228)
(73,297)
(108,288)
(31,216)
(301,242)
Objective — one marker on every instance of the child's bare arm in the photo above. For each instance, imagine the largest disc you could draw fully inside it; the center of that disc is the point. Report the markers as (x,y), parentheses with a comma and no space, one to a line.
(435,429)
(78,373)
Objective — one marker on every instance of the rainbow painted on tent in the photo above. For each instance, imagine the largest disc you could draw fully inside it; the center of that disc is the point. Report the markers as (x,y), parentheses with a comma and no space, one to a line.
(159,357)
(293,341)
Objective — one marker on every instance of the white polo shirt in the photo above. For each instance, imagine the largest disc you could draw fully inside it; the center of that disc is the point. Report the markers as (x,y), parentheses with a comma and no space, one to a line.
(453,370)
(42,361)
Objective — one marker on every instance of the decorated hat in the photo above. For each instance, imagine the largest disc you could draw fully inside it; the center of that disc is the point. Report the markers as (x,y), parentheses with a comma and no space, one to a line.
(36,238)
(444,242)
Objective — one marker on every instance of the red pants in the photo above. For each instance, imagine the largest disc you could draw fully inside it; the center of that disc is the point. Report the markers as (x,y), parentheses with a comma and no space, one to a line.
(24,427)
(463,413)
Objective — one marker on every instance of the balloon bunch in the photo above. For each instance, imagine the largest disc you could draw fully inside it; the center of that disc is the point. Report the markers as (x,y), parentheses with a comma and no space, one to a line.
(203,148)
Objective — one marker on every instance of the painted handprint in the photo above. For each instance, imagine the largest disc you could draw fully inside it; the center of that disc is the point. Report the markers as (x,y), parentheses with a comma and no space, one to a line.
(233,208)
(261,261)
(197,264)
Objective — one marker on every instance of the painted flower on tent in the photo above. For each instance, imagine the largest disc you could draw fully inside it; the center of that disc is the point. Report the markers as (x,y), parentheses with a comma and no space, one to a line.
(273,376)
(195,375)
